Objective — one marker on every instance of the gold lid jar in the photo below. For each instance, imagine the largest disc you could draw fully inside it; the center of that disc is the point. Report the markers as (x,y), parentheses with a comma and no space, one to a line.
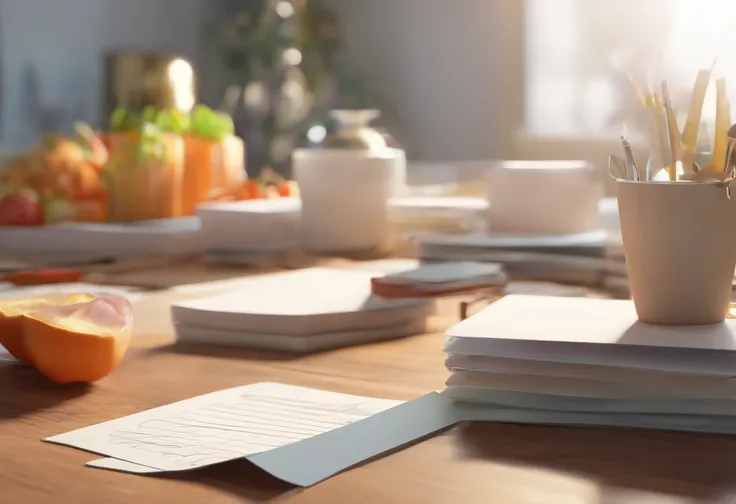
(354,132)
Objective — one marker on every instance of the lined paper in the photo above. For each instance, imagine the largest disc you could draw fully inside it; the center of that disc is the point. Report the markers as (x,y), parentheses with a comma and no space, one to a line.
(222,426)
(309,461)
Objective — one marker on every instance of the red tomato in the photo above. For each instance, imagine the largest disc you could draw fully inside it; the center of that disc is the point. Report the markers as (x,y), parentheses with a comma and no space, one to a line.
(250,190)
(20,210)
(288,188)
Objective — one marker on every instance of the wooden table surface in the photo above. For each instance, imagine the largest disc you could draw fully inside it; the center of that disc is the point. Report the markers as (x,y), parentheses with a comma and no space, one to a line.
(483,463)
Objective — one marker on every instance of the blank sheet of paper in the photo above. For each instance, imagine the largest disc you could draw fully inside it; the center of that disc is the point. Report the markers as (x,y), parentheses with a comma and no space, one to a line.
(222,426)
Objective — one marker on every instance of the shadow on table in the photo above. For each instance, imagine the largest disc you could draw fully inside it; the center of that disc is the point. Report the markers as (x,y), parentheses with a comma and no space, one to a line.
(242,478)
(23,390)
(238,477)
(688,465)
(225,352)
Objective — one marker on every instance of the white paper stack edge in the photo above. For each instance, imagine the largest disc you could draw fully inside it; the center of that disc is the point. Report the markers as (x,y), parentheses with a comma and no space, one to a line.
(590,355)
(300,311)
(77,242)
(436,214)
(447,214)
(246,230)
(587,259)
(254,226)
(575,259)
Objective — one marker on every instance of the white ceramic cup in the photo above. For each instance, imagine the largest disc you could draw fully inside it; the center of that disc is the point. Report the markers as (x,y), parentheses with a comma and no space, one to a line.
(542,197)
(344,197)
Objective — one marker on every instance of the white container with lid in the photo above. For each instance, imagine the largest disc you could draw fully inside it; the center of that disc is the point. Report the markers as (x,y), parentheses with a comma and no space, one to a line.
(345,186)
(542,197)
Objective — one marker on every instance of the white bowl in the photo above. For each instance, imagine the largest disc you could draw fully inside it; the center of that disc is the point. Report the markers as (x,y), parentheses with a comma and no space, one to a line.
(542,197)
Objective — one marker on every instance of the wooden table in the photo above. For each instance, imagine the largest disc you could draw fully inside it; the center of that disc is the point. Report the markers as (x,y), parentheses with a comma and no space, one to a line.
(474,463)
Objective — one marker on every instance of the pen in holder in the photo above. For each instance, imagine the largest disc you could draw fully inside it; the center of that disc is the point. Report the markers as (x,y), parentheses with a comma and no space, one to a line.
(678,217)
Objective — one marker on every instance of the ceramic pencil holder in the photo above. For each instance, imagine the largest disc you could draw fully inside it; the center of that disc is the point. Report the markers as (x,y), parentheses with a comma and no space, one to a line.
(680,249)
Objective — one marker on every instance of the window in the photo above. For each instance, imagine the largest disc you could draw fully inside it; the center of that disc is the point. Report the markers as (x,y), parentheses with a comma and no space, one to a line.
(580,53)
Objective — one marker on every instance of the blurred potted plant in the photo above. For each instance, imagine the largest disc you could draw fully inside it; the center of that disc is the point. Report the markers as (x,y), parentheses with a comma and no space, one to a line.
(281,76)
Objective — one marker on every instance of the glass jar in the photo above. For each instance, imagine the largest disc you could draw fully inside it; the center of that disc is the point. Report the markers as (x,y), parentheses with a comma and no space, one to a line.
(144,175)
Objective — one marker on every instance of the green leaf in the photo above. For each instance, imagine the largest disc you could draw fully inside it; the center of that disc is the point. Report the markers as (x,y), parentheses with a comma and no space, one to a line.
(149,114)
(206,123)
(120,119)
(172,121)
(228,126)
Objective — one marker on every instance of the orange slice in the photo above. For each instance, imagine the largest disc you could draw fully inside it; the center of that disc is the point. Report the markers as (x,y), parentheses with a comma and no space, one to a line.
(11,318)
(81,342)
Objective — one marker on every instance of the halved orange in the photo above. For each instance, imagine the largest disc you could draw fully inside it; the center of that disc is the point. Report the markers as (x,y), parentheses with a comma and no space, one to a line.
(11,318)
(81,342)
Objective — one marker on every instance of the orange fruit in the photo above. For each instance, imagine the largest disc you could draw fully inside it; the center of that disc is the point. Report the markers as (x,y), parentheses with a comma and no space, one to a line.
(81,342)
(11,318)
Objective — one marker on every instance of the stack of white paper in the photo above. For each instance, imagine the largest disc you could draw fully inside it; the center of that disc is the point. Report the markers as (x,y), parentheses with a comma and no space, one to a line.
(437,214)
(578,259)
(589,259)
(590,355)
(300,311)
(246,230)
(247,227)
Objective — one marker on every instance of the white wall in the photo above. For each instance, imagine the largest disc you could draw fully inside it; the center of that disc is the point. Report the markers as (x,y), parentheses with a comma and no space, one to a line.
(67,40)
(450,68)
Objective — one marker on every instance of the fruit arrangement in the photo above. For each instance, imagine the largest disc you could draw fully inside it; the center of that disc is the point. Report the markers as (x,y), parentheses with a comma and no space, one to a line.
(152,165)
(268,185)
(58,180)
(213,160)
(205,130)
(69,338)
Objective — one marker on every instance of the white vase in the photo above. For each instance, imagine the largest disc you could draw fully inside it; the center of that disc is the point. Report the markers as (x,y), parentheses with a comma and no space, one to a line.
(344,197)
